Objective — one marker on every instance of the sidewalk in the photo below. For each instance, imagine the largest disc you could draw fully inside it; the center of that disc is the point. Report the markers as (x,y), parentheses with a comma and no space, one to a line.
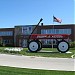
(33,62)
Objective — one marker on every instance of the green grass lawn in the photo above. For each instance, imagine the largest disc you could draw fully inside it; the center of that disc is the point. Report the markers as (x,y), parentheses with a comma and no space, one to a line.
(45,52)
(23,71)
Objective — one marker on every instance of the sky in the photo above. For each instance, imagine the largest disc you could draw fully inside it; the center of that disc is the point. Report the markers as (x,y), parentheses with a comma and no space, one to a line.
(29,12)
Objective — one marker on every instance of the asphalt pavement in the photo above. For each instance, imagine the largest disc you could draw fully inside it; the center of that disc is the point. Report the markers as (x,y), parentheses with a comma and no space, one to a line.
(33,62)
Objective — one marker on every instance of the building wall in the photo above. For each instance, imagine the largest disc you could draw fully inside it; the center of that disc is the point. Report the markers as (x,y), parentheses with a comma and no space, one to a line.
(7,36)
(23,37)
(22,32)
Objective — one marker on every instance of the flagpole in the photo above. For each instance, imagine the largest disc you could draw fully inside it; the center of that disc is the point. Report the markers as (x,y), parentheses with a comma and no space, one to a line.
(55,19)
(53,31)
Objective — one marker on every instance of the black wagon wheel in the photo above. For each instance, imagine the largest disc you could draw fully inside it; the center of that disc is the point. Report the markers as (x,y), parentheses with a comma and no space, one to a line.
(33,46)
(63,46)
(40,43)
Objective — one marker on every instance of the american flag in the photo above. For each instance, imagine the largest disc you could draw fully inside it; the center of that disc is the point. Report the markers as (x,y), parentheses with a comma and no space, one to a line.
(55,19)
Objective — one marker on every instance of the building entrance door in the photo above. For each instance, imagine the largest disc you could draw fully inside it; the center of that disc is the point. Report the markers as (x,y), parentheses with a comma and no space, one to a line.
(24,43)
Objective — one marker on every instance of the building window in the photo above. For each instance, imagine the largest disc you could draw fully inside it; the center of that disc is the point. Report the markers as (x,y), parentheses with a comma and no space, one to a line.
(6,33)
(55,31)
(5,41)
(27,30)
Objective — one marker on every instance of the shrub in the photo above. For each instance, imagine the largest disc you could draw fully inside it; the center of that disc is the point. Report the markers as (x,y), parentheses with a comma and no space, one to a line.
(1,44)
(72,44)
(8,45)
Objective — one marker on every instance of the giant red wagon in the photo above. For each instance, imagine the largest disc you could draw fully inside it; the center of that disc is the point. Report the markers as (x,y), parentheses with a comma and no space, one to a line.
(34,43)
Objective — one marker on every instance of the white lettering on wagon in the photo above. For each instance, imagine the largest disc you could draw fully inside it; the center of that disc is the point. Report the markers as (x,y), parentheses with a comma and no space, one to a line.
(50,36)
(41,36)
(57,36)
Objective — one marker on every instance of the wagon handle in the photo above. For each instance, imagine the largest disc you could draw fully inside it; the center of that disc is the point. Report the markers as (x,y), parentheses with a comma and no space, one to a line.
(35,27)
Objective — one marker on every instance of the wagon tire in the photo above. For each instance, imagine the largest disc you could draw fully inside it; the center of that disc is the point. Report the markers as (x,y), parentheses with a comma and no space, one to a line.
(63,46)
(33,46)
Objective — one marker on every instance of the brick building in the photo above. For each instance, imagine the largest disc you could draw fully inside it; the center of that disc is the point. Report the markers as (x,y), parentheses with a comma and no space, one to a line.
(18,35)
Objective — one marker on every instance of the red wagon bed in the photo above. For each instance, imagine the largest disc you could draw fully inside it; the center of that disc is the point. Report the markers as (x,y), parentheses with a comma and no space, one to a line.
(49,36)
